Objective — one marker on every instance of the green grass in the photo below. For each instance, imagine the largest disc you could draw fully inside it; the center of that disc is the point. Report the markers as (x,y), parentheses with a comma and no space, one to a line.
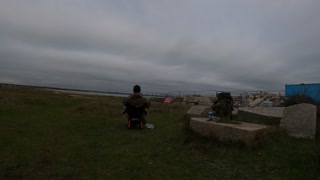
(45,135)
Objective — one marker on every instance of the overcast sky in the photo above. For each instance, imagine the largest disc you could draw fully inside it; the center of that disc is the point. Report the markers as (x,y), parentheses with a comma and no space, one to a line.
(163,45)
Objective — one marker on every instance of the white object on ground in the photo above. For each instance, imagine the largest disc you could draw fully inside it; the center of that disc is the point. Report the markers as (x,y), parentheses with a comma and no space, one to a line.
(150,126)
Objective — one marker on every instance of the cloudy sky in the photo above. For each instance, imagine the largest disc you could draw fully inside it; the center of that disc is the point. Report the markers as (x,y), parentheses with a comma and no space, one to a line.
(166,45)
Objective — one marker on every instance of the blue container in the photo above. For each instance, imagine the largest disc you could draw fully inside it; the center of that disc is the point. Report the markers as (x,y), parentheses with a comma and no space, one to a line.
(310,90)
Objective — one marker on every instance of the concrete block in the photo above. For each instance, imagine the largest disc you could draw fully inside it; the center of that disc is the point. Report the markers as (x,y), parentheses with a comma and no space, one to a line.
(300,120)
(244,132)
(261,115)
(256,102)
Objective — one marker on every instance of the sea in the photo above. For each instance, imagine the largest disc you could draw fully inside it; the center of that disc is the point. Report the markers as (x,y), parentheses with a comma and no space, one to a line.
(93,93)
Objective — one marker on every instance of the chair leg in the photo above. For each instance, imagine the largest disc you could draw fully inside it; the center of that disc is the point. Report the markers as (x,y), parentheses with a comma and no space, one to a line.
(129,124)
(141,125)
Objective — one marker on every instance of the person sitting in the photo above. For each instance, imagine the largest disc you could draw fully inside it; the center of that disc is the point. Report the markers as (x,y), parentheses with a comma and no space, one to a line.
(136,105)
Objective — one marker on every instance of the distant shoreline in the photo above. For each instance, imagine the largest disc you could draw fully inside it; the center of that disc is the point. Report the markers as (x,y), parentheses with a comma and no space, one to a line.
(90,92)
(77,91)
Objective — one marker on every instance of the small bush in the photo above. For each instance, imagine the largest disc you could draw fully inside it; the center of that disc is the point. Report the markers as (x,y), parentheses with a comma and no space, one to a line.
(297,99)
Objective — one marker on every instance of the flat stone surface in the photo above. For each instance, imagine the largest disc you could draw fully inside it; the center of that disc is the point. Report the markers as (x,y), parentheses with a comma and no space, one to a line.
(266,111)
(245,132)
(242,125)
(300,120)
(198,111)
(261,115)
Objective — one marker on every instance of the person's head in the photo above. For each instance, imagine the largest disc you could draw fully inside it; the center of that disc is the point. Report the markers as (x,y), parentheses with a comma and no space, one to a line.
(136,89)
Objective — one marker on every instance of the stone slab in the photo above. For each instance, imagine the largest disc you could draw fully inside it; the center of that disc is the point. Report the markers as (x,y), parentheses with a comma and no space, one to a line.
(244,132)
(266,111)
(256,102)
(198,111)
(261,115)
(300,120)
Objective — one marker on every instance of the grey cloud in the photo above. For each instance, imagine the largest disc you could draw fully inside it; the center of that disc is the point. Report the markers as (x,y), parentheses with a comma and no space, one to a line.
(164,45)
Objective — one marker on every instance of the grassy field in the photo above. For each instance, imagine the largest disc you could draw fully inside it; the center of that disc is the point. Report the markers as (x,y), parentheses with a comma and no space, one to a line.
(47,135)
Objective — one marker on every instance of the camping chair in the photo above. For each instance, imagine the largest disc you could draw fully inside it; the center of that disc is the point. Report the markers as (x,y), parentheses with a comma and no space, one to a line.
(135,116)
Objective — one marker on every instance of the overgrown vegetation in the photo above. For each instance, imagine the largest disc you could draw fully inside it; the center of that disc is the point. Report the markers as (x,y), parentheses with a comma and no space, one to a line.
(297,99)
(47,135)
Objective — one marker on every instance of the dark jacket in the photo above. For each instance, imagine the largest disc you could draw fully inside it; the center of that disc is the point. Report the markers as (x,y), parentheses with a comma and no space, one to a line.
(135,105)
(136,100)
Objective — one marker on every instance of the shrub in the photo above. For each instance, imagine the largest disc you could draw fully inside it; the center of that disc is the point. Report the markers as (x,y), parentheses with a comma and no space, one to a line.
(297,99)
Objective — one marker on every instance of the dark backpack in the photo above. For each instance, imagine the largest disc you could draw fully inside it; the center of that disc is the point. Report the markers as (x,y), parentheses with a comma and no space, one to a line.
(223,105)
